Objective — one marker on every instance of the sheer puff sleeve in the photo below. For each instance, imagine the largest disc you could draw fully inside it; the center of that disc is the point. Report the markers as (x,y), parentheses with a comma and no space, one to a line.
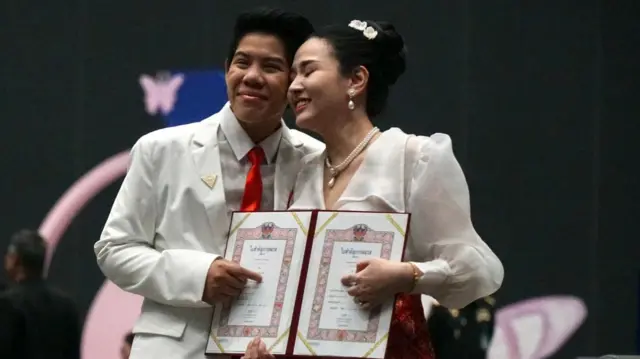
(458,265)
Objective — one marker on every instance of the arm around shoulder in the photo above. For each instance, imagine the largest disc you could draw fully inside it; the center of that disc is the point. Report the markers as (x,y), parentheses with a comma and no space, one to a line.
(125,250)
(459,267)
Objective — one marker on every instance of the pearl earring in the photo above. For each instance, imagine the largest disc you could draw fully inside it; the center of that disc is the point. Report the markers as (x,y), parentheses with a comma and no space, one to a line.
(351,93)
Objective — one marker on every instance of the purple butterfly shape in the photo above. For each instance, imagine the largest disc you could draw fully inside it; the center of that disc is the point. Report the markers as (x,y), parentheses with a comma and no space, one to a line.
(160,94)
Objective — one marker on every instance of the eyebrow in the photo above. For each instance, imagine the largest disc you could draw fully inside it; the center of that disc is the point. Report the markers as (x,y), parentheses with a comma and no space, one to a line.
(305,63)
(266,58)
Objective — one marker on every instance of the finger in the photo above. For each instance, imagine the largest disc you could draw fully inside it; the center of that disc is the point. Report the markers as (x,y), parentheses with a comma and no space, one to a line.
(244,273)
(361,303)
(263,351)
(229,292)
(368,298)
(362,265)
(262,348)
(255,347)
(223,286)
(249,274)
(234,282)
(224,300)
(356,291)
(349,280)
(251,349)
(366,306)
(373,304)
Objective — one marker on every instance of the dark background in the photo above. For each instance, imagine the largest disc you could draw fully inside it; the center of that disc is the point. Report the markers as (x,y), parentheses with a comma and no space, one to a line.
(539,98)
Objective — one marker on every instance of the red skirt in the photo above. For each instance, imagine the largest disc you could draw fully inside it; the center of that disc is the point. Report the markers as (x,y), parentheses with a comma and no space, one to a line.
(409,337)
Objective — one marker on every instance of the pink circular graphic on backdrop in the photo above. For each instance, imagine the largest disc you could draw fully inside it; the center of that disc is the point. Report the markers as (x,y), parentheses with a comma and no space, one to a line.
(112,314)
(77,196)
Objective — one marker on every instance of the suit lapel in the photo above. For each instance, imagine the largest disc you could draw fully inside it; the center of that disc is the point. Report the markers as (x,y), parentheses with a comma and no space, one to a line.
(206,157)
(288,163)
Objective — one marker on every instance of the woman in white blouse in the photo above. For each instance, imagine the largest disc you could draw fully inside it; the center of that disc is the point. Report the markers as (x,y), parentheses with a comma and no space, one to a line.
(341,79)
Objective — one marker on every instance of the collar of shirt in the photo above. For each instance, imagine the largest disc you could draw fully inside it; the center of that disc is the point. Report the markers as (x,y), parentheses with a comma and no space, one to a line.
(240,142)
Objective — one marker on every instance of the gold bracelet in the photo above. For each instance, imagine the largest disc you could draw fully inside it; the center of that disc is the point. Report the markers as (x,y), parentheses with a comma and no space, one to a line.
(417,274)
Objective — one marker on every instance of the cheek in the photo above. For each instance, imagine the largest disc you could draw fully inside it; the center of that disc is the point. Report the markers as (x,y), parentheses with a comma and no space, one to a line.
(232,79)
(326,94)
(280,84)
(279,87)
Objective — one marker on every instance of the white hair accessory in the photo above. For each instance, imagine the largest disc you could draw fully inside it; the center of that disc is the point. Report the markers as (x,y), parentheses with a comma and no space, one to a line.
(368,31)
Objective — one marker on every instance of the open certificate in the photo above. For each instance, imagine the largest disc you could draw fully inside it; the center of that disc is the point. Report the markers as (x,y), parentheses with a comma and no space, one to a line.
(330,322)
(273,245)
(301,308)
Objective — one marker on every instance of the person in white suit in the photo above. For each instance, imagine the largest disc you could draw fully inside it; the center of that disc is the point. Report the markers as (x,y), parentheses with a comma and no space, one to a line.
(168,226)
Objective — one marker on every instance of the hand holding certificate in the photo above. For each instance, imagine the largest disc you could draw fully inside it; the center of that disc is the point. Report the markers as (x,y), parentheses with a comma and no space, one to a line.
(271,244)
(302,306)
(376,279)
(226,280)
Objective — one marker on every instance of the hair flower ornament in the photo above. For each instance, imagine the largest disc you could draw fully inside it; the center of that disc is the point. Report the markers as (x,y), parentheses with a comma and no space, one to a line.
(358,25)
(368,31)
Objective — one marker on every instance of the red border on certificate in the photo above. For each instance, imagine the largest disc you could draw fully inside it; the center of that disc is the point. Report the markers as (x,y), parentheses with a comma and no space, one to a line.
(266,231)
(356,233)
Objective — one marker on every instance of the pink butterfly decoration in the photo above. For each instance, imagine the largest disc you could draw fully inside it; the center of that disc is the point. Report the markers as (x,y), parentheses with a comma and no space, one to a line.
(535,328)
(160,95)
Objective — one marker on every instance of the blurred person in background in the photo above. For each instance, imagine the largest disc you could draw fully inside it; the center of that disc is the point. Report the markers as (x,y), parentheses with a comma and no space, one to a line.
(36,320)
(465,333)
(167,229)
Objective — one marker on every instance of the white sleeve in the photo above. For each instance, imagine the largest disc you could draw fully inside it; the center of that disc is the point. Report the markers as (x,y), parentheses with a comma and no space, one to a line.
(125,251)
(458,265)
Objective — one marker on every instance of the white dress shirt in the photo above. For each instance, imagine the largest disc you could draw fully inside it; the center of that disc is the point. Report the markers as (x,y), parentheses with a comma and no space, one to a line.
(235,144)
(419,175)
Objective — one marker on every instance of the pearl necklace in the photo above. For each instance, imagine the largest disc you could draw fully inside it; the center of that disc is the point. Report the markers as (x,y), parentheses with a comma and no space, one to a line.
(334,171)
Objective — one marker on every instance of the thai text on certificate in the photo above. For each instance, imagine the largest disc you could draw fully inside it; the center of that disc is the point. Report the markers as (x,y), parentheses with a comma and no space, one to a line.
(255,305)
(268,250)
(334,314)
(339,309)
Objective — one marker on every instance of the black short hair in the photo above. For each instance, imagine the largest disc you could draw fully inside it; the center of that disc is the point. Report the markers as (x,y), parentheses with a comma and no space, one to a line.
(384,56)
(291,28)
(31,250)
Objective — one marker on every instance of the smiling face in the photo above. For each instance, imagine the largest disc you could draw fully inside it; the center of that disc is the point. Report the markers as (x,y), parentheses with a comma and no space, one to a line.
(257,78)
(318,91)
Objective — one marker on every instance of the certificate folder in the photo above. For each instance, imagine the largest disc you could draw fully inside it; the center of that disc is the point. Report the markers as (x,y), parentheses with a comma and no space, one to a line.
(301,308)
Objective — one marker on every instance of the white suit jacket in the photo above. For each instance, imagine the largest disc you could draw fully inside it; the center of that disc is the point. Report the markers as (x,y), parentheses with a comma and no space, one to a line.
(167,225)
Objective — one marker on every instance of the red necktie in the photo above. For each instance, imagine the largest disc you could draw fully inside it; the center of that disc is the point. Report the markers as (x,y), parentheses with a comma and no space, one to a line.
(253,187)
